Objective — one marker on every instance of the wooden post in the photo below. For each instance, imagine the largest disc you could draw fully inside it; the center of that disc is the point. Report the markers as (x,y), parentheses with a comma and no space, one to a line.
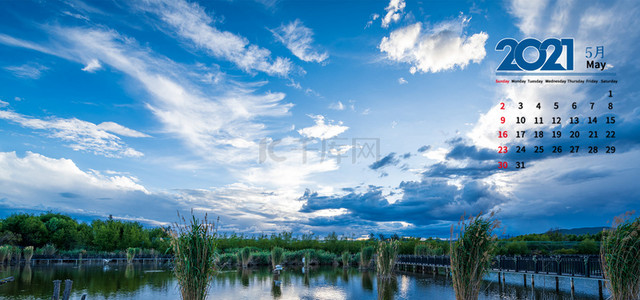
(56,290)
(503,281)
(67,289)
(600,289)
(572,287)
(557,285)
(533,281)
(84,297)
(524,276)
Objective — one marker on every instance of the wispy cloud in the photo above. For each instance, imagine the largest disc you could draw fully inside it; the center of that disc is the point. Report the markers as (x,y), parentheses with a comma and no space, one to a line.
(191,23)
(92,66)
(337,106)
(402,81)
(3,104)
(81,135)
(437,48)
(322,130)
(31,70)
(298,38)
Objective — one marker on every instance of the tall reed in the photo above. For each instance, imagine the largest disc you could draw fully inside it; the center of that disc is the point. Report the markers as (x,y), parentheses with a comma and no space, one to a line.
(194,246)
(365,257)
(28,254)
(307,258)
(4,252)
(245,256)
(277,254)
(9,254)
(17,254)
(346,256)
(131,254)
(386,255)
(620,258)
(471,255)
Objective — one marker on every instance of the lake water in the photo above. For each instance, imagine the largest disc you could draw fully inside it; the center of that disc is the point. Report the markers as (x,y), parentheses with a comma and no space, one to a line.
(158,283)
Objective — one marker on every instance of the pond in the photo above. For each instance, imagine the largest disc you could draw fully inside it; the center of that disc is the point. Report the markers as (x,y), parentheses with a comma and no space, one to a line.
(158,283)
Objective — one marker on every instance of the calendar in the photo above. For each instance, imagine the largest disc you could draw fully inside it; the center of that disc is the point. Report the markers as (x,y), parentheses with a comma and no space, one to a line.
(554,124)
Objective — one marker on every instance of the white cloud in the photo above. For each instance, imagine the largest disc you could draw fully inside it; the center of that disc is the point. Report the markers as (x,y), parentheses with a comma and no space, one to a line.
(33,71)
(82,135)
(190,22)
(401,80)
(92,66)
(298,38)
(373,18)
(394,12)
(337,106)
(530,14)
(120,130)
(35,172)
(3,103)
(321,129)
(441,47)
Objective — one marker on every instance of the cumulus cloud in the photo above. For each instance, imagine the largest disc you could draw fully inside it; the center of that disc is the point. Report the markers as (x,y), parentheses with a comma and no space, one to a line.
(191,23)
(92,66)
(394,12)
(32,70)
(81,135)
(441,47)
(298,39)
(322,130)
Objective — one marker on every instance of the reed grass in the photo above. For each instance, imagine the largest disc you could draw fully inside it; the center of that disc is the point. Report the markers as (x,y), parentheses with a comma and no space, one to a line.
(277,254)
(131,254)
(244,255)
(366,254)
(620,258)
(307,258)
(194,246)
(28,254)
(17,254)
(470,254)
(386,255)
(346,256)
(4,252)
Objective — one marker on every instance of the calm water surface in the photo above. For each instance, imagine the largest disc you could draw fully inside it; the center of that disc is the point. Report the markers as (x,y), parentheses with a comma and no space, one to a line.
(157,283)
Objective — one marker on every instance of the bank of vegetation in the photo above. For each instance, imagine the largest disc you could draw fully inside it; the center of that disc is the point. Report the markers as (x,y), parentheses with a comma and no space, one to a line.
(57,235)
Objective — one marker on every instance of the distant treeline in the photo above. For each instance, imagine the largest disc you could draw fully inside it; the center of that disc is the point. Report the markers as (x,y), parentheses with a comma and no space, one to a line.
(63,233)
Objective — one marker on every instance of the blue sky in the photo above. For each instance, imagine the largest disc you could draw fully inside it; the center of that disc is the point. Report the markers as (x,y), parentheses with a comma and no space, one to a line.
(353,117)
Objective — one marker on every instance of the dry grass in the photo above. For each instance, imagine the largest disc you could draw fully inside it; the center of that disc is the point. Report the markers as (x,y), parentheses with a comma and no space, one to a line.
(620,257)
(471,255)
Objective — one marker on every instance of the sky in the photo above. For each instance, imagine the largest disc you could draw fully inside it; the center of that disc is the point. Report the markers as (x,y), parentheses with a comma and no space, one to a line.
(310,116)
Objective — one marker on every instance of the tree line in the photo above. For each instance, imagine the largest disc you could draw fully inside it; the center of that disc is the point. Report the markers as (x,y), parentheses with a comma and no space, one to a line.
(111,235)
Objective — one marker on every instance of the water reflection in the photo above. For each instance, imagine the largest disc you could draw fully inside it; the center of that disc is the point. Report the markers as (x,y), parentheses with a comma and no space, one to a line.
(387,288)
(148,282)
